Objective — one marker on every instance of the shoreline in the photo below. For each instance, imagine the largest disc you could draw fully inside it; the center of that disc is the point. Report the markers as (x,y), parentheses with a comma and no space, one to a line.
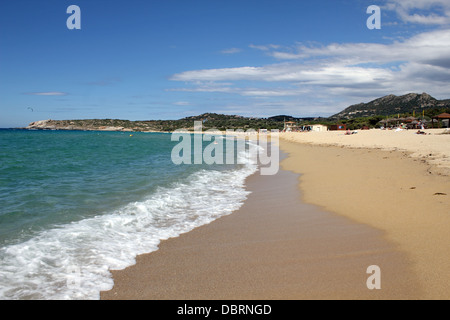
(273,247)
(360,206)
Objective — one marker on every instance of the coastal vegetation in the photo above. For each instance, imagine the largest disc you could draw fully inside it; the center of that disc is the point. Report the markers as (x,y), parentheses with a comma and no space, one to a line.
(375,114)
(209,121)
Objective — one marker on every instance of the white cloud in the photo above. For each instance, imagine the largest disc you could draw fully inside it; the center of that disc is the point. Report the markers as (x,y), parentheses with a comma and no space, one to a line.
(231,51)
(340,72)
(224,74)
(432,12)
(339,63)
(422,47)
(327,78)
(264,47)
(181,103)
(51,93)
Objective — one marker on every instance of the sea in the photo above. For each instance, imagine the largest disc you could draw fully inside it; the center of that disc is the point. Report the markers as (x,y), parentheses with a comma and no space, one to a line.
(76,204)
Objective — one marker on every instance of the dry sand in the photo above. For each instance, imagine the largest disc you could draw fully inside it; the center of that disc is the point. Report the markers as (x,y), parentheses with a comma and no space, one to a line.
(432,148)
(402,194)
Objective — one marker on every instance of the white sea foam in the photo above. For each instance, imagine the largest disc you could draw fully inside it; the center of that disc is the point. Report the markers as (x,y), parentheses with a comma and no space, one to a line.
(73,261)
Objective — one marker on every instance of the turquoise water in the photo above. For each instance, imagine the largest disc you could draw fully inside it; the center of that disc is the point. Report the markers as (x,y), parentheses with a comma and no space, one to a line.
(50,177)
(74,205)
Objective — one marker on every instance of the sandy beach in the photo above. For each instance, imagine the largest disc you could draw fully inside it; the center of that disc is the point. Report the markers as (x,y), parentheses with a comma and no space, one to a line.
(432,148)
(311,231)
(274,247)
(403,193)
(336,207)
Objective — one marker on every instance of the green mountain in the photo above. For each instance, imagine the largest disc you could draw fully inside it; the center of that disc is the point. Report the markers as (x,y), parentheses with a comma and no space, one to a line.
(391,105)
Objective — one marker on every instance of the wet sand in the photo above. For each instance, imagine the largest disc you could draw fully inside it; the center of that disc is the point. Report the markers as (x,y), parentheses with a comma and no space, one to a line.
(274,247)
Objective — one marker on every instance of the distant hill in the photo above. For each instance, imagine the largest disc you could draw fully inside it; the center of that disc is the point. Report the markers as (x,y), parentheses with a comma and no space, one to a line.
(385,106)
(282,118)
(209,121)
(391,104)
(212,117)
(96,124)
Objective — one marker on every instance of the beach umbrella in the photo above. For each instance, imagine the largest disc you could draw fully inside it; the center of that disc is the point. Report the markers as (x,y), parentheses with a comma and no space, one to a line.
(442,116)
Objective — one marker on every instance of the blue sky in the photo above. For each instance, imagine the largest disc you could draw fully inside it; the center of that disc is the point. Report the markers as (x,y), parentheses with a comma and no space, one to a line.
(168,59)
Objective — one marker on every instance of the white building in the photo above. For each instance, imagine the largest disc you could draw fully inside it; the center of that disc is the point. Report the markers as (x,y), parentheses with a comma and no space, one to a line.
(319,128)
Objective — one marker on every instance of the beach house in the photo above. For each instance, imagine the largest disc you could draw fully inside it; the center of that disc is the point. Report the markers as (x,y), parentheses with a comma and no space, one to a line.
(319,128)
(290,126)
(335,127)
